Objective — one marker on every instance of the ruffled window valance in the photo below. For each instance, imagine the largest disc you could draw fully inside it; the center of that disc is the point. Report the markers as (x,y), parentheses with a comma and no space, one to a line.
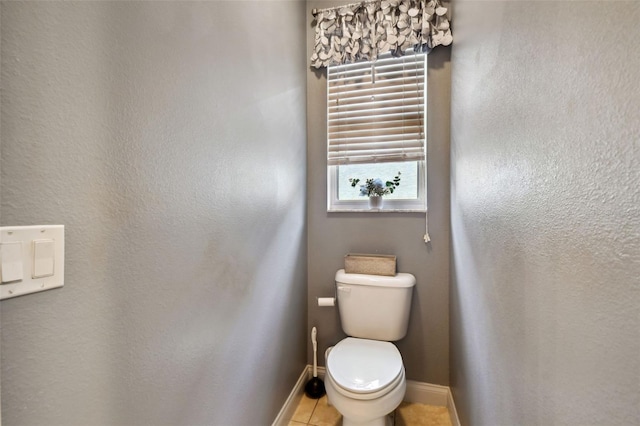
(362,31)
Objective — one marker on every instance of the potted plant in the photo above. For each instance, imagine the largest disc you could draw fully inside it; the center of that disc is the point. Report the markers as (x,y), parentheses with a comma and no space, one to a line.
(375,189)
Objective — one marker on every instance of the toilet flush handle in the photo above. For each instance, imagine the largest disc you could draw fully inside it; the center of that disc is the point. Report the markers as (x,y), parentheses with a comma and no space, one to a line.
(344,288)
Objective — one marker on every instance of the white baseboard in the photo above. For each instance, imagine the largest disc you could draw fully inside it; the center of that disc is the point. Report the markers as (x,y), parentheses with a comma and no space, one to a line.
(453,414)
(417,392)
(426,393)
(290,405)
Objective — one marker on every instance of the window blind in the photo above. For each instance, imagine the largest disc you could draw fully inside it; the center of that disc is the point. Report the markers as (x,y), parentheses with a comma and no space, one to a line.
(376,110)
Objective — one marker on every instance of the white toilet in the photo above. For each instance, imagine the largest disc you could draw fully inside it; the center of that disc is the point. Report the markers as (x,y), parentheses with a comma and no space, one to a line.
(365,378)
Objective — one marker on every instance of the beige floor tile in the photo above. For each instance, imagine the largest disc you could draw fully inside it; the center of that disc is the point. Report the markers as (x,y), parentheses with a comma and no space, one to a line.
(305,410)
(292,423)
(421,415)
(325,414)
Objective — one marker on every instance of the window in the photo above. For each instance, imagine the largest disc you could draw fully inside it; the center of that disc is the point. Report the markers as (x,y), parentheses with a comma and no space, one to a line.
(376,115)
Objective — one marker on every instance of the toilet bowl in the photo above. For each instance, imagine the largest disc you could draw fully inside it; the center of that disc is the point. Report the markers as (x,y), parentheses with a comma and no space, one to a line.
(365,380)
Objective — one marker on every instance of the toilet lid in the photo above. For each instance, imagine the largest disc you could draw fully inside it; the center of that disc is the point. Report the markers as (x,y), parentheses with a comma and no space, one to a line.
(364,366)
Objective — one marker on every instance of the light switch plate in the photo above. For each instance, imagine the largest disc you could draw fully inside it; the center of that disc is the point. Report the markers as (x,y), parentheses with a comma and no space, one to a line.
(42,260)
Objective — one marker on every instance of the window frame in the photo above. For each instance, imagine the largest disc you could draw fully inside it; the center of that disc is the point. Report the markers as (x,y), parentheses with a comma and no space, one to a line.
(418,205)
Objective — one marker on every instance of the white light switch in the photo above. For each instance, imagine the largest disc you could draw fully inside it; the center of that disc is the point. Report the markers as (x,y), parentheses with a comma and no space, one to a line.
(11,254)
(31,259)
(43,258)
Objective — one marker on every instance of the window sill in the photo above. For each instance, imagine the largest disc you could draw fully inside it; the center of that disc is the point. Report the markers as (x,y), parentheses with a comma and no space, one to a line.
(376,211)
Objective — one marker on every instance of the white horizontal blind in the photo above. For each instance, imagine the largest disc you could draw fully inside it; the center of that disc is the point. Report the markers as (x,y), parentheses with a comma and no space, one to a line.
(376,110)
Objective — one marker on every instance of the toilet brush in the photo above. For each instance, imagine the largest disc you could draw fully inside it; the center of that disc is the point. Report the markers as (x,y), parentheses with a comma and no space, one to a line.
(314,387)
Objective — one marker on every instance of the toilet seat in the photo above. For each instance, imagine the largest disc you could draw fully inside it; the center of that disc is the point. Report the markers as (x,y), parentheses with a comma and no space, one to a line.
(363,368)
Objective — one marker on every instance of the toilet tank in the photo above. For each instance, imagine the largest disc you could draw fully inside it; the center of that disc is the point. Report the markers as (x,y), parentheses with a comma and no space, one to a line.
(373,306)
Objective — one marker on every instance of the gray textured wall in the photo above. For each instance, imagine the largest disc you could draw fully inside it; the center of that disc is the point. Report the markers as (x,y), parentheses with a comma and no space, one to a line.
(0,221)
(546,213)
(169,138)
(425,349)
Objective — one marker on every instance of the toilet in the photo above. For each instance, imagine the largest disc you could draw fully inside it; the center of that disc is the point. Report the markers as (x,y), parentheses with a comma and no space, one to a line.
(365,378)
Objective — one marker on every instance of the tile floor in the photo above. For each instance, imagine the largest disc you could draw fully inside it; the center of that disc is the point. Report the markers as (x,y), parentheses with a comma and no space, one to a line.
(317,412)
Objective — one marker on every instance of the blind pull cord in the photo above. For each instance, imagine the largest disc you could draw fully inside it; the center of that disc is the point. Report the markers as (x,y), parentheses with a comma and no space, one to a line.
(426,237)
